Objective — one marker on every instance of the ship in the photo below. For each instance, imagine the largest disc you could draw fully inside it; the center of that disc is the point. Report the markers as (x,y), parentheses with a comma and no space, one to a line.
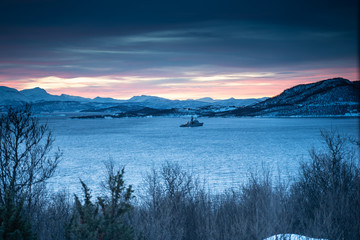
(192,123)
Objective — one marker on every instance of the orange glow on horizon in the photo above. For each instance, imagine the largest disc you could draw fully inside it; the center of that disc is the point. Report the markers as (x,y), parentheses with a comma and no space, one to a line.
(182,86)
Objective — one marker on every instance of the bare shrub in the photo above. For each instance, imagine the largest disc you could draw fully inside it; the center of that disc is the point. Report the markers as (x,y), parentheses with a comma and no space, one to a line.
(175,207)
(326,196)
(53,216)
(166,204)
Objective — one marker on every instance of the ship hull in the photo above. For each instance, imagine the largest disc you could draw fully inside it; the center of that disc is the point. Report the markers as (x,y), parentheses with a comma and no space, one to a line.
(192,125)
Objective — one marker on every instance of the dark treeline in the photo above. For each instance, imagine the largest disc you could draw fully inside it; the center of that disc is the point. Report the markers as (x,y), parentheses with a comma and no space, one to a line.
(322,202)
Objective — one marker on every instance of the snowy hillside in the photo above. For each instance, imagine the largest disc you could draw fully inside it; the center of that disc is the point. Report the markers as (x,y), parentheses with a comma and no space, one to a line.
(330,91)
(335,97)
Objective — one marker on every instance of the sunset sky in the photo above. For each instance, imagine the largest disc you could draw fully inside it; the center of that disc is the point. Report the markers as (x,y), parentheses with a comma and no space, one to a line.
(176,49)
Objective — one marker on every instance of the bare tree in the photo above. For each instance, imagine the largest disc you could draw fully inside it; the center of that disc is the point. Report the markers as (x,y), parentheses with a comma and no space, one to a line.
(325,198)
(25,163)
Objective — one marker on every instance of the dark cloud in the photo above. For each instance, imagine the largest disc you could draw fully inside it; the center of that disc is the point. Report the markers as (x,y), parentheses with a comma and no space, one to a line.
(158,12)
(76,38)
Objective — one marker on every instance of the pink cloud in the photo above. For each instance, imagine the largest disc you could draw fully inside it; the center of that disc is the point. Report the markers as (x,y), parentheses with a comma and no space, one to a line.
(219,84)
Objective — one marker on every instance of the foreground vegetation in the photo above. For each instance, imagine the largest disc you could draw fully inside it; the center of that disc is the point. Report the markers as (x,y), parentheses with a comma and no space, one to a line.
(323,201)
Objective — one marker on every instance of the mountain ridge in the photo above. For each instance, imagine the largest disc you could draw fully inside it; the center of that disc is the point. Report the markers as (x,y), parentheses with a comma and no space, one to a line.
(336,96)
(331,97)
(37,96)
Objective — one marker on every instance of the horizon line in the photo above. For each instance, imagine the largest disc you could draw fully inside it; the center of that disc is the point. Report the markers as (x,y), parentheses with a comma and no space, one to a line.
(161,95)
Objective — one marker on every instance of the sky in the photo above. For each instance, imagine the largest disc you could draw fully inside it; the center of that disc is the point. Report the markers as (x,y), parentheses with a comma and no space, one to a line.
(176,49)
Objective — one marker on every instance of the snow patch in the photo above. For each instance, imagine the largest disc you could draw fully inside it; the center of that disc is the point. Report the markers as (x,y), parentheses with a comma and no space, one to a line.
(291,237)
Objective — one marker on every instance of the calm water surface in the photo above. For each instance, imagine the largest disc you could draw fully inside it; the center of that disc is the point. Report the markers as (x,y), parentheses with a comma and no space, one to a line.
(223,151)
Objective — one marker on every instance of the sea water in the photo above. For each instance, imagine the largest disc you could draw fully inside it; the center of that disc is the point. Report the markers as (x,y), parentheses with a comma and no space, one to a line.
(223,153)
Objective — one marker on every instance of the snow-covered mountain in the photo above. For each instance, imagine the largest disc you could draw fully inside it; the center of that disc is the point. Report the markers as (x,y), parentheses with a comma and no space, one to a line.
(163,103)
(151,101)
(331,91)
(9,96)
(239,102)
(104,100)
(206,99)
(337,96)
(43,101)
(38,94)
